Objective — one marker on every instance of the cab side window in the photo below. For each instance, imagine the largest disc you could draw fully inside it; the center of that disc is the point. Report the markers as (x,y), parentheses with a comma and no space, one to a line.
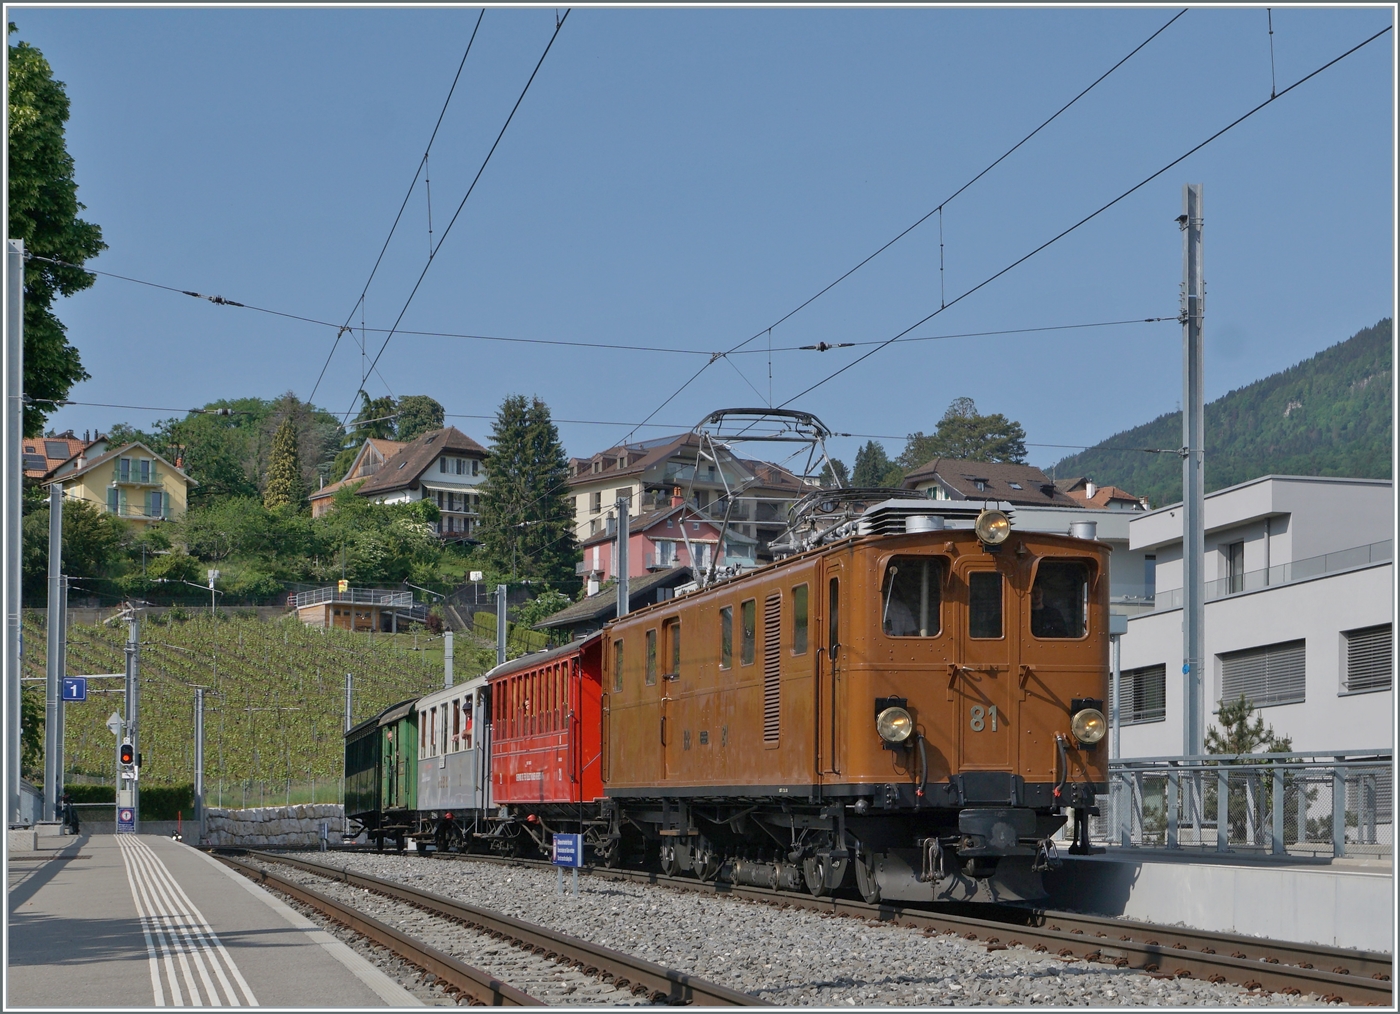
(748,618)
(726,637)
(617,666)
(1060,599)
(799,620)
(651,657)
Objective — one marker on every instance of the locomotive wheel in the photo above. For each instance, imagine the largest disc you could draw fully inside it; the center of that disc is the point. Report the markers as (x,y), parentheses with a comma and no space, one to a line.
(707,865)
(823,874)
(670,865)
(865,878)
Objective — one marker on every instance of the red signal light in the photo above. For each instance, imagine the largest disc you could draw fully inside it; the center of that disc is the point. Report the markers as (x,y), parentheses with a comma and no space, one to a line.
(128,754)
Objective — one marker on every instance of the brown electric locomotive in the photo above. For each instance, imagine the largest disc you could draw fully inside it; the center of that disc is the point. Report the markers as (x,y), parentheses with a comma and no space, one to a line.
(914,699)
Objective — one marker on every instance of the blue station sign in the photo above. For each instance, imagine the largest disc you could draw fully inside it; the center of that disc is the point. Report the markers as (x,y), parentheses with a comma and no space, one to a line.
(74,688)
(568,850)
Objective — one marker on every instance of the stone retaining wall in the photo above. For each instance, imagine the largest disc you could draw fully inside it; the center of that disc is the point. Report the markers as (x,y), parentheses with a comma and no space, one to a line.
(273,825)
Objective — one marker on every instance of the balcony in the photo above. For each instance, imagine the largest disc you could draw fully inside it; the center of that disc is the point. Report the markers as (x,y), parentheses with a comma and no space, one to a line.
(354,596)
(1284,573)
(130,473)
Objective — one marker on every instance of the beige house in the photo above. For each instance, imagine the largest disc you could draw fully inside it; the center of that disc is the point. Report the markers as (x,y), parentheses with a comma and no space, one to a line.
(131,481)
(372,455)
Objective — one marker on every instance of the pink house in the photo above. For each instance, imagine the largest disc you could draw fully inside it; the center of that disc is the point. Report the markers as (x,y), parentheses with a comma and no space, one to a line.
(658,542)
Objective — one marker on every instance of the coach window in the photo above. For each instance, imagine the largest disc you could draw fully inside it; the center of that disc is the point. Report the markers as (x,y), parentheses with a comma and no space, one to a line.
(617,666)
(467,722)
(911,598)
(726,637)
(748,618)
(799,620)
(651,657)
(1060,599)
(456,725)
(442,740)
(984,604)
(422,734)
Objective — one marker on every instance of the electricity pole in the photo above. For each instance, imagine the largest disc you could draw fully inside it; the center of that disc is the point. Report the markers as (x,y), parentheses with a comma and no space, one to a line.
(199,762)
(14,471)
(348,712)
(55,647)
(447,659)
(623,537)
(1193,543)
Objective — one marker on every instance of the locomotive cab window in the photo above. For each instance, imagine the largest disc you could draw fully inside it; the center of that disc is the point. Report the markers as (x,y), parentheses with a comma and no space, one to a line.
(651,657)
(1060,599)
(748,617)
(911,597)
(617,666)
(672,629)
(799,620)
(984,604)
(726,637)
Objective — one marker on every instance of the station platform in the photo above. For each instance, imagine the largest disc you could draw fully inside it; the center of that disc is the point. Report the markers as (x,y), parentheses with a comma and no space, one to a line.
(1337,902)
(121,921)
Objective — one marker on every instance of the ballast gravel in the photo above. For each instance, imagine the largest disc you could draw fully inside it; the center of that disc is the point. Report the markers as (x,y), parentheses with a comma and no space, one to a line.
(544,979)
(789,957)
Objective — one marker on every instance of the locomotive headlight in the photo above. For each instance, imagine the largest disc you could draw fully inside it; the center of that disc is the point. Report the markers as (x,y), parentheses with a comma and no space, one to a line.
(993,527)
(894,725)
(1088,726)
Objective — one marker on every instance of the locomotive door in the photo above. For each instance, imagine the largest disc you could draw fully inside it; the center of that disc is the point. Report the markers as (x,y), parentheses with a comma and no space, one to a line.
(981,681)
(832,626)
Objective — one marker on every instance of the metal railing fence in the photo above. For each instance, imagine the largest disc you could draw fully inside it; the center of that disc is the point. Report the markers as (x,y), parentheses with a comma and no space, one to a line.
(1300,804)
(1284,573)
(354,596)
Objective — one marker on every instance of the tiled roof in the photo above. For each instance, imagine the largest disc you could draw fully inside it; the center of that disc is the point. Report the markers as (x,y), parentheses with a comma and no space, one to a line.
(406,467)
(39,456)
(638,459)
(1017,484)
(386,448)
(650,520)
(603,606)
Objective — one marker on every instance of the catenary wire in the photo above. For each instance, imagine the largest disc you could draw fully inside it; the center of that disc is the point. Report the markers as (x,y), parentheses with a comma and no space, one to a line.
(1087,218)
(422,162)
(921,220)
(559,24)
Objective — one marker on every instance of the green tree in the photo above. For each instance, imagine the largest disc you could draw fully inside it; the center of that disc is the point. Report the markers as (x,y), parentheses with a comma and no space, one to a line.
(44,210)
(542,606)
(834,474)
(526,523)
(375,419)
(874,468)
(284,482)
(418,414)
(965,433)
(93,545)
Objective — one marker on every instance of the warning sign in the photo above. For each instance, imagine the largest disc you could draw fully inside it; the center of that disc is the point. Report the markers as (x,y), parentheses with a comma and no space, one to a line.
(126,820)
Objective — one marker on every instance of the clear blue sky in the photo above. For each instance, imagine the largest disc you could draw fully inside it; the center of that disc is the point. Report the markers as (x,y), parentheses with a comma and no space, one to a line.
(684,178)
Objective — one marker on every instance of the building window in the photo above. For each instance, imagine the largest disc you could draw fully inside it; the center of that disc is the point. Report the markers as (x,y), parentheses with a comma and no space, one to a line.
(476,465)
(1149,577)
(1143,695)
(596,505)
(461,465)
(442,465)
(124,470)
(1370,662)
(726,637)
(1273,674)
(1234,566)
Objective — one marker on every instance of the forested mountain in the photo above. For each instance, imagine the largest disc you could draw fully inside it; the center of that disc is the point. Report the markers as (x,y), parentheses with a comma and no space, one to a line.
(1328,415)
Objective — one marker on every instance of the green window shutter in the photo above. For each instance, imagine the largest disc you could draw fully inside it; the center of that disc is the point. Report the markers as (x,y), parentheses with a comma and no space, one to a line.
(146,510)
(112,499)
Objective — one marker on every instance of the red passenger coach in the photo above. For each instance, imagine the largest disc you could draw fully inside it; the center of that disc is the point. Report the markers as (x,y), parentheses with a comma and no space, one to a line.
(546,738)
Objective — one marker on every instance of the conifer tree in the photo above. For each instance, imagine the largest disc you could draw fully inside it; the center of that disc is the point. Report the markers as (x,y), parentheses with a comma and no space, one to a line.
(284,484)
(526,524)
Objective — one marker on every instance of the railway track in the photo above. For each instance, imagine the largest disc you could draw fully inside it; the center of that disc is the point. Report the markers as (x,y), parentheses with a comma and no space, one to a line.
(661,984)
(1357,977)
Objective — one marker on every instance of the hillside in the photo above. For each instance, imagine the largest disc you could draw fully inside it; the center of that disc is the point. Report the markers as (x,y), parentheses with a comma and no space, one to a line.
(1328,415)
(274,704)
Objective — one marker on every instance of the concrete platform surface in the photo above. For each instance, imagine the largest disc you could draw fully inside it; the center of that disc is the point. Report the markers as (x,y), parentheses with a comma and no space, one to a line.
(1338,903)
(121,921)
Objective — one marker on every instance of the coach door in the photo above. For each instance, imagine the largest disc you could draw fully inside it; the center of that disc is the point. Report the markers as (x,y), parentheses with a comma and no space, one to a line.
(980,681)
(831,623)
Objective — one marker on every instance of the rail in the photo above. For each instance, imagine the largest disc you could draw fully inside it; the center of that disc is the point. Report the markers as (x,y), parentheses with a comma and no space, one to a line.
(663,983)
(1302,804)
(476,984)
(1334,973)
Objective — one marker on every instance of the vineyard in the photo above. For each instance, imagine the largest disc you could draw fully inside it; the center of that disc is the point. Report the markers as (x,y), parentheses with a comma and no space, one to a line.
(274,698)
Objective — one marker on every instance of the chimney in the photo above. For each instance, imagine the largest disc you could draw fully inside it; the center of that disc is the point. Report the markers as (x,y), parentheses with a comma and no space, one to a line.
(676,498)
(1089,490)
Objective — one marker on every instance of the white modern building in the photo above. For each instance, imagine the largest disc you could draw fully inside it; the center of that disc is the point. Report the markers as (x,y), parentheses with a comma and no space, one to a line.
(1298,617)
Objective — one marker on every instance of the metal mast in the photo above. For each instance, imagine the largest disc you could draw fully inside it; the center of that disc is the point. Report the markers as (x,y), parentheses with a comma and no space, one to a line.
(1193,302)
(14,470)
(624,517)
(52,731)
